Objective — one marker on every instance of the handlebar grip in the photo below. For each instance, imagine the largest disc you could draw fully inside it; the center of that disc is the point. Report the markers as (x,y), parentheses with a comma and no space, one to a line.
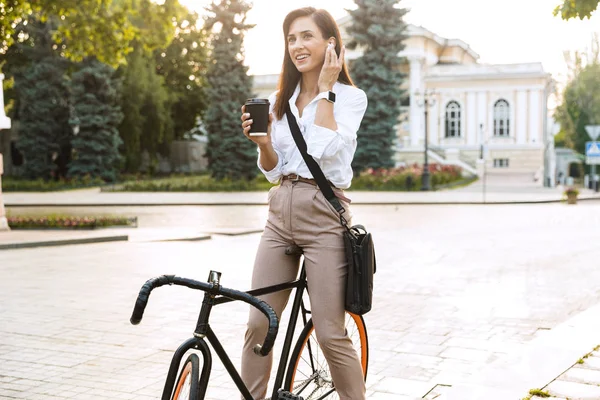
(142,299)
(267,346)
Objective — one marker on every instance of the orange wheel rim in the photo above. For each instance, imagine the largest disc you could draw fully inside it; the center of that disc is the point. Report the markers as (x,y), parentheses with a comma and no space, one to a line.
(363,349)
(184,374)
(363,339)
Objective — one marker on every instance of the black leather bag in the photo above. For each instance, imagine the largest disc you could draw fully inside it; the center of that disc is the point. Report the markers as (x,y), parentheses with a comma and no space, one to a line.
(360,251)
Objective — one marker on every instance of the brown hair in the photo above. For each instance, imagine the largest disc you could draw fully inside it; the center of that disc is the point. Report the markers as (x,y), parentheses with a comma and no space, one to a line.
(290,76)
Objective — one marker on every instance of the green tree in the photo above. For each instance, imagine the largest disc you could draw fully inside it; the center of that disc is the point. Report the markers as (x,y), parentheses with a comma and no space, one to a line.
(145,100)
(42,89)
(379,30)
(96,116)
(580,106)
(84,27)
(576,9)
(157,130)
(147,124)
(154,22)
(133,93)
(230,153)
(183,66)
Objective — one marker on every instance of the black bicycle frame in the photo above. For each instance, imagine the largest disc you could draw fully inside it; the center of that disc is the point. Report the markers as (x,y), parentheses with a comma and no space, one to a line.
(203,330)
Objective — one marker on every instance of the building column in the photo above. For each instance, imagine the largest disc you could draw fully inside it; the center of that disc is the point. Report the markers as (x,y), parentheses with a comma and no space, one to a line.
(416,130)
(4,124)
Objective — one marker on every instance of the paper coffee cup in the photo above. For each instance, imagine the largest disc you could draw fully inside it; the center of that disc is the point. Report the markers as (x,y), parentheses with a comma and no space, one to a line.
(259,113)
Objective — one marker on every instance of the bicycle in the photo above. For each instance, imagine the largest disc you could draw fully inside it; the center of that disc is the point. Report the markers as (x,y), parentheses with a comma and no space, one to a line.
(307,373)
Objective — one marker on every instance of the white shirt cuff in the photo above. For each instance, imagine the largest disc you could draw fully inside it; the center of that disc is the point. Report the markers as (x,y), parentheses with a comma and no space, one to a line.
(274,174)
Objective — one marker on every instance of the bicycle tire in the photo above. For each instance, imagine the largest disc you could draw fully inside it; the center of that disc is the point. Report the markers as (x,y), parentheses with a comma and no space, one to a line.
(298,380)
(187,383)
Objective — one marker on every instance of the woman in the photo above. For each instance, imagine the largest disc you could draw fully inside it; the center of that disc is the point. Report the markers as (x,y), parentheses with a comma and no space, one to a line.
(315,83)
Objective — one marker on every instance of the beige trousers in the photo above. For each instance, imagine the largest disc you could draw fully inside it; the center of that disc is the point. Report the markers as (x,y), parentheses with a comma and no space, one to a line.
(299,214)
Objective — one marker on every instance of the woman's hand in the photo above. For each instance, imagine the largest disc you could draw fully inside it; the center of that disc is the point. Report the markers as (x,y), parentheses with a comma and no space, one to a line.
(247,122)
(332,67)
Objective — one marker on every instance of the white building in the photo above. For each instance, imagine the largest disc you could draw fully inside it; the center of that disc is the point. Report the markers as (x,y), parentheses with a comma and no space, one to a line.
(501,106)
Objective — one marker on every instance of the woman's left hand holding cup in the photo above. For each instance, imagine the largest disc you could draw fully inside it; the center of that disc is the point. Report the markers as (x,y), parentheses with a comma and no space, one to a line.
(247,123)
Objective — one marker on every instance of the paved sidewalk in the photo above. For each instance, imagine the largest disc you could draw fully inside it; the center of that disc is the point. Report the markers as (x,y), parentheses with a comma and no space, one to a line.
(455,299)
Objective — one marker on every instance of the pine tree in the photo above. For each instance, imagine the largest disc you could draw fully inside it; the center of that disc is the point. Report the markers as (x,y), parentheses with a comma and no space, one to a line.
(97,114)
(42,89)
(230,153)
(377,27)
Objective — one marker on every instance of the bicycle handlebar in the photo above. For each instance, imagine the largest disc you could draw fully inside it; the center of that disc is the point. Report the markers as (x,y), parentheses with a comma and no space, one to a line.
(151,284)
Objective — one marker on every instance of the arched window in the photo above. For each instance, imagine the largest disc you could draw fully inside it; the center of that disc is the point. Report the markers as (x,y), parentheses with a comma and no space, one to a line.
(501,118)
(453,119)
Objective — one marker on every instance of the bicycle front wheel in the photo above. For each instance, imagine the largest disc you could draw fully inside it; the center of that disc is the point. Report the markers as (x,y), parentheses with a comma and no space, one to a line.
(187,383)
(308,373)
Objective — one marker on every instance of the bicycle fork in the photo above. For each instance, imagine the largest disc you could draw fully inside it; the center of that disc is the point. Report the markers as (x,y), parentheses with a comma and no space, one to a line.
(193,343)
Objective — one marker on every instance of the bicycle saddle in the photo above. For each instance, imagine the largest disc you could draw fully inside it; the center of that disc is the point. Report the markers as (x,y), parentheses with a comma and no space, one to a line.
(293,250)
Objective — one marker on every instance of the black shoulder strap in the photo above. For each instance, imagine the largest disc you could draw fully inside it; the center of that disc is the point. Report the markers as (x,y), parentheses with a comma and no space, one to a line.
(312,165)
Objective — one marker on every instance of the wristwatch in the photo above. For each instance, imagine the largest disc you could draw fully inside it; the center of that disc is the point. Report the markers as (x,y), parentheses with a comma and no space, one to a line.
(329,96)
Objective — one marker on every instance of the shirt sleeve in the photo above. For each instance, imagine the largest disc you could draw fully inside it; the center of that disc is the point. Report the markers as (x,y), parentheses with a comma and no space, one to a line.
(325,143)
(274,174)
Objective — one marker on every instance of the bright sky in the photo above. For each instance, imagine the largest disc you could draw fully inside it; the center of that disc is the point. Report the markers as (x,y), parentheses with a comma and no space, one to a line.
(501,32)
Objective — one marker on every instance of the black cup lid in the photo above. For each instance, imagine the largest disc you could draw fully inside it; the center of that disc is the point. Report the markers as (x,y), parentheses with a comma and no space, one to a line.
(257,101)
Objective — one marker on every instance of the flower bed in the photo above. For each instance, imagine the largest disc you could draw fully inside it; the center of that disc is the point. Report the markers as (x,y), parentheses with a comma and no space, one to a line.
(68,222)
(201,183)
(406,178)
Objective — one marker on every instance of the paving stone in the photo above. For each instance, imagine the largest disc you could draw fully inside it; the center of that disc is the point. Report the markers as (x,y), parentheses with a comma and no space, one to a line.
(574,390)
(592,363)
(389,396)
(437,392)
(402,386)
(466,354)
(417,348)
(582,375)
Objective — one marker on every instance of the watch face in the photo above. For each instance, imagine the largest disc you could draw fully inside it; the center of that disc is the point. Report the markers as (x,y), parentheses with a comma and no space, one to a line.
(331,97)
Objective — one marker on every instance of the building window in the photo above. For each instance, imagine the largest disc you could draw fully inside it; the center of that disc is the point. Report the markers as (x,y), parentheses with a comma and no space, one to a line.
(453,120)
(500,162)
(501,118)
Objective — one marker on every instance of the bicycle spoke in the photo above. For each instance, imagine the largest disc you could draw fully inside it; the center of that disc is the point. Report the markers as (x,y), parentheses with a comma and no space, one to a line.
(313,379)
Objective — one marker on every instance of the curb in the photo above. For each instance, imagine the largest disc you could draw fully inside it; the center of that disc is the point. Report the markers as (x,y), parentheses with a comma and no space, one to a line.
(63,242)
(354,203)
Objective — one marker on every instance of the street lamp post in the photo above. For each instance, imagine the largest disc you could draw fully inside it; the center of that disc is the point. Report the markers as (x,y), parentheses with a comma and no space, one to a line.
(426,101)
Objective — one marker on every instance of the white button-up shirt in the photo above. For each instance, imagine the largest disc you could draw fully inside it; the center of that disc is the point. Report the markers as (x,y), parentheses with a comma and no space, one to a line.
(333,150)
